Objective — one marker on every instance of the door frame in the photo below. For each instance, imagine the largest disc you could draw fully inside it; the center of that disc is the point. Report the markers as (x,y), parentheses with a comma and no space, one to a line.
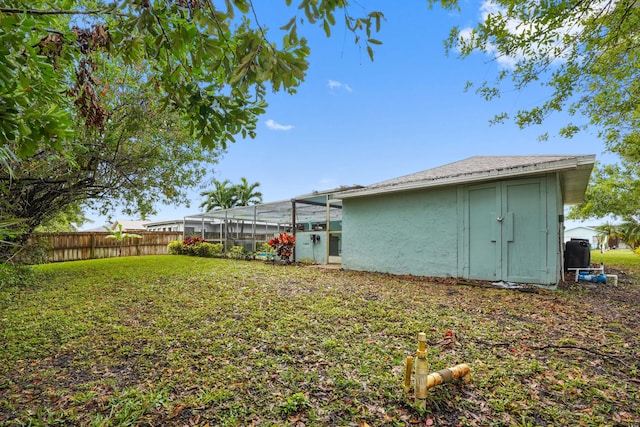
(502,256)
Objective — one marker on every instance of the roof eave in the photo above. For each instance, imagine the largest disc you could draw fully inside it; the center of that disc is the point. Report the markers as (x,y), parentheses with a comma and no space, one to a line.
(583,163)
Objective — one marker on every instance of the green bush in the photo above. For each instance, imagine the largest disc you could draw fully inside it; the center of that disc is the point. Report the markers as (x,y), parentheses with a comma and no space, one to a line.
(175,247)
(12,275)
(237,252)
(195,248)
(264,247)
(204,249)
(35,251)
(218,248)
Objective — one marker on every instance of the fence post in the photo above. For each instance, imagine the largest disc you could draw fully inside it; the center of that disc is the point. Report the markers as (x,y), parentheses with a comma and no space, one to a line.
(92,251)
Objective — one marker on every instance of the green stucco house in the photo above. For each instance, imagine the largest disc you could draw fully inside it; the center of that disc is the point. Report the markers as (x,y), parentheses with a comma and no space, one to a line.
(487,218)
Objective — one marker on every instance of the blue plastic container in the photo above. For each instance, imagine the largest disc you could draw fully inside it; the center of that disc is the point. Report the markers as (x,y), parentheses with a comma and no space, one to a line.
(586,277)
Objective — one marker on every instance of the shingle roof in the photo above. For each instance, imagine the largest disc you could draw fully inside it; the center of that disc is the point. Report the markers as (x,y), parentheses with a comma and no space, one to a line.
(472,166)
(483,168)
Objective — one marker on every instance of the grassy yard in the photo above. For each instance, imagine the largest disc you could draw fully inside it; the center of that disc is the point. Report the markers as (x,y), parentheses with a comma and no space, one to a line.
(180,341)
(624,259)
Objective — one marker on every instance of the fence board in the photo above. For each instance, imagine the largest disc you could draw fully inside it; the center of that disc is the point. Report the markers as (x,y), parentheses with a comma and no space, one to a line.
(94,244)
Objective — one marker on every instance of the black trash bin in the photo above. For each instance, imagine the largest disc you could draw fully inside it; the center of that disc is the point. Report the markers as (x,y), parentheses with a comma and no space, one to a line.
(577,254)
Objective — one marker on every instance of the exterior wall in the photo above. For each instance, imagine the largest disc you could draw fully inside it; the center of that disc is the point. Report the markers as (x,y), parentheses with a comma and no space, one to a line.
(582,233)
(307,249)
(402,233)
(427,232)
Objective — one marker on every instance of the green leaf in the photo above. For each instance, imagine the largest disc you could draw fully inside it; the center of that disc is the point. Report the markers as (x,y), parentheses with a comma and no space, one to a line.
(370,52)
(230,9)
(331,18)
(327,28)
(289,24)
(242,5)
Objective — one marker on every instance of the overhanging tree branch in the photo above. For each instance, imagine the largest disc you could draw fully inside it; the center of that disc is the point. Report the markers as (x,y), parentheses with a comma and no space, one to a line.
(56,12)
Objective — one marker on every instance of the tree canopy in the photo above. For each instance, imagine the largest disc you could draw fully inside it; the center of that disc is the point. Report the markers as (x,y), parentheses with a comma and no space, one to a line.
(613,190)
(128,103)
(109,104)
(143,156)
(586,53)
(211,64)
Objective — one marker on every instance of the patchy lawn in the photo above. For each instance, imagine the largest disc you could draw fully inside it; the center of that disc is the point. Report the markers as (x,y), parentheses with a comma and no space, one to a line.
(620,258)
(180,341)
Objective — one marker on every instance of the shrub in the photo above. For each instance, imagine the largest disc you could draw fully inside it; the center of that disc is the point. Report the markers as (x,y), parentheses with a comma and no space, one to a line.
(195,246)
(216,249)
(35,251)
(264,247)
(283,245)
(14,275)
(188,241)
(205,249)
(175,248)
(237,252)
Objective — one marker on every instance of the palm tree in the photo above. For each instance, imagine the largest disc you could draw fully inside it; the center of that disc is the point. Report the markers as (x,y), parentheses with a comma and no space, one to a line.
(630,231)
(227,196)
(611,233)
(119,235)
(223,196)
(247,196)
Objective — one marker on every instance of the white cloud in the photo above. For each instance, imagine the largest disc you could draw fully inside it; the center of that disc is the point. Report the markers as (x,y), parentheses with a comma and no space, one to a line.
(273,125)
(334,84)
(516,26)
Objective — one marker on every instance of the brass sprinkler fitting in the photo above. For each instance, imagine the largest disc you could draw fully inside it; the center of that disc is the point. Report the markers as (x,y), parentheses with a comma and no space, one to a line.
(423,379)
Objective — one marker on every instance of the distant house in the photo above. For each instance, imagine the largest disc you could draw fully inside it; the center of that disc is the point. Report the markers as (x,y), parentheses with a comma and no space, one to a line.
(129,225)
(171,225)
(216,229)
(583,232)
(487,218)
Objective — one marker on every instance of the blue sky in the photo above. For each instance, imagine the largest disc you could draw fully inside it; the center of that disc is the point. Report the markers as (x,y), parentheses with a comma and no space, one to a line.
(354,121)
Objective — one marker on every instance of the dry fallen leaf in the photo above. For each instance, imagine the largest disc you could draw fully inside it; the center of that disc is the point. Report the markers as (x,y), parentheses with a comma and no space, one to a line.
(294,418)
(176,411)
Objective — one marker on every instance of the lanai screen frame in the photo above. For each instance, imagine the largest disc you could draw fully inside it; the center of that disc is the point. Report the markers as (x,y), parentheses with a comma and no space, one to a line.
(317,207)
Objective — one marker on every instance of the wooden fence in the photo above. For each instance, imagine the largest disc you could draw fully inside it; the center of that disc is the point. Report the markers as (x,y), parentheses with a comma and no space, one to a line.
(94,244)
